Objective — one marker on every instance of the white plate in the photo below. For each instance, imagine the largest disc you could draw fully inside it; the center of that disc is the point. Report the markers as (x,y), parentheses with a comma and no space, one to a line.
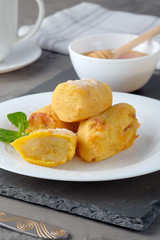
(141,158)
(22,55)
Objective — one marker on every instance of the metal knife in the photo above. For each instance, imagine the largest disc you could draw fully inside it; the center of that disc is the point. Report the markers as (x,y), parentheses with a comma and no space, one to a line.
(32,227)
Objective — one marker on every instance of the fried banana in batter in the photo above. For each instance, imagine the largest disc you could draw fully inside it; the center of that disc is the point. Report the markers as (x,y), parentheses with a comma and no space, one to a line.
(74,101)
(108,133)
(47,147)
(46,118)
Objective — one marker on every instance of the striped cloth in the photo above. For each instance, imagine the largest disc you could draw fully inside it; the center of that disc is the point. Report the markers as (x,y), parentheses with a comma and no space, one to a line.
(59,29)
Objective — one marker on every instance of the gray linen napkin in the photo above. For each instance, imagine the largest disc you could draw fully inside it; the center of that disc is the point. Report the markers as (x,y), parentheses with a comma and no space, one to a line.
(59,29)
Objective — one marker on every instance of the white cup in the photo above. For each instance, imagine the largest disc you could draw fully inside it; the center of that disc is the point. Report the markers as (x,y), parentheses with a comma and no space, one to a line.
(9,22)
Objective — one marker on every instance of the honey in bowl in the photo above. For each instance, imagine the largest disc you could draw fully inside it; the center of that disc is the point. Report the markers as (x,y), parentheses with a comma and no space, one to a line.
(101,54)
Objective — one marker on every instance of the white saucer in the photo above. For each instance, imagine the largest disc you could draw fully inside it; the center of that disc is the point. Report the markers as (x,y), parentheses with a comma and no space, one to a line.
(22,55)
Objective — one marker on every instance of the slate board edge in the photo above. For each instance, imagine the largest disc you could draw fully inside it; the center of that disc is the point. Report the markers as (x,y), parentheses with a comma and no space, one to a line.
(90,212)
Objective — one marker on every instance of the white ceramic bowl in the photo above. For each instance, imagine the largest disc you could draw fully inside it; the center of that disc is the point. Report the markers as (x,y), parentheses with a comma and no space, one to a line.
(124,75)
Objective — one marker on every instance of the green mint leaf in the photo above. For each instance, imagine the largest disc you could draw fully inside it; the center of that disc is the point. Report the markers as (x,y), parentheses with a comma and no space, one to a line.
(16,118)
(22,126)
(19,120)
(8,136)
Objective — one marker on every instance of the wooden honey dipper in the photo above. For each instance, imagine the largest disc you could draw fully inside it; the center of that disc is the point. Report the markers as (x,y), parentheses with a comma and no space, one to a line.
(111,54)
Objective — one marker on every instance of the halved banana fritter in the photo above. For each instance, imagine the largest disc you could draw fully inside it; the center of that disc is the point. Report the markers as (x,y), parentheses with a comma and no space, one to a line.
(47,147)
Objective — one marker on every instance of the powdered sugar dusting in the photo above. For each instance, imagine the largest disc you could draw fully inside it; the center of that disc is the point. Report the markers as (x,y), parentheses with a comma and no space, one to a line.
(84,83)
(61,131)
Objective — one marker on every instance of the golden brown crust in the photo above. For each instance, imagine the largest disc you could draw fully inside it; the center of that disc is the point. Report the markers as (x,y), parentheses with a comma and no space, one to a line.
(45,118)
(104,135)
(74,101)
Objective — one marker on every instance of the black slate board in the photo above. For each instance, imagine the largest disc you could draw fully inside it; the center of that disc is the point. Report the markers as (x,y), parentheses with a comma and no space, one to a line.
(132,203)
